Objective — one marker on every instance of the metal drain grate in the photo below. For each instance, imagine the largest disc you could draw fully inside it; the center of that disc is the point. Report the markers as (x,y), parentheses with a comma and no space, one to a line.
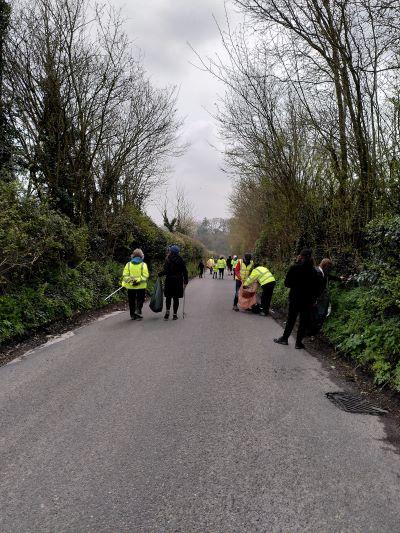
(354,404)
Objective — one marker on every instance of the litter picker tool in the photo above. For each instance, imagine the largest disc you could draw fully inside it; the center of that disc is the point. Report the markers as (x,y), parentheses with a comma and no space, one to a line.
(112,294)
(183,306)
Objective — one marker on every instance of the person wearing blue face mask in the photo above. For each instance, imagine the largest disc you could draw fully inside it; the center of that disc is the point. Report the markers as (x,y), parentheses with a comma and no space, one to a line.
(134,279)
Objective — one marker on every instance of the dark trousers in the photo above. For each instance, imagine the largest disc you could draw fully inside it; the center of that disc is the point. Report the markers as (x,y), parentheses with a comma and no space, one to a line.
(136,300)
(200,273)
(221,273)
(295,309)
(168,301)
(266,295)
(238,284)
(214,275)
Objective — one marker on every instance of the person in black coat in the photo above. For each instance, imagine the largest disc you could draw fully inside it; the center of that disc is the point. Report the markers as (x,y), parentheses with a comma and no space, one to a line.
(305,286)
(201,268)
(176,279)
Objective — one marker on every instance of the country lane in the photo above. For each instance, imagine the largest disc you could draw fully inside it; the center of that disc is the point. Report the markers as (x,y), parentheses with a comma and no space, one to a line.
(199,425)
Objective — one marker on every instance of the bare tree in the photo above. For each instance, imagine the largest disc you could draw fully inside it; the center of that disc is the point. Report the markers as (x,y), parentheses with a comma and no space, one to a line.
(93,133)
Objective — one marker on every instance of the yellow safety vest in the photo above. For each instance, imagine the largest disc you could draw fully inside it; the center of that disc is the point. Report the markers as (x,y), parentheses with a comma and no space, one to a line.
(139,272)
(245,269)
(260,274)
(221,263)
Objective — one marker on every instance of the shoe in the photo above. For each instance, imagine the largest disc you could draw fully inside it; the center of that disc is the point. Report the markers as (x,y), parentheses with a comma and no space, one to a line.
(235,308)
(133,317)
(281,340)
(139,316)
(263,314)
(166,316)
(175,317)
(299,346)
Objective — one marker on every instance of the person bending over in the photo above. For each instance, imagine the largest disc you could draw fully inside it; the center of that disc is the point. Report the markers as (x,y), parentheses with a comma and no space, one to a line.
(267,282)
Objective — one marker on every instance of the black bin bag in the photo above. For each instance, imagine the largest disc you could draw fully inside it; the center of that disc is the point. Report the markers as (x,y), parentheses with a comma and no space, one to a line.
(157,299)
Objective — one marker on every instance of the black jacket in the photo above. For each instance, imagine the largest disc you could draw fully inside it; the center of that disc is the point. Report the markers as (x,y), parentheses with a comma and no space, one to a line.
(305,283)
(176,275)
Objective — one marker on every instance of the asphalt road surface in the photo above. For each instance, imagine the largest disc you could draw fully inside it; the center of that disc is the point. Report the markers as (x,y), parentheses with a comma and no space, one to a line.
(199,425)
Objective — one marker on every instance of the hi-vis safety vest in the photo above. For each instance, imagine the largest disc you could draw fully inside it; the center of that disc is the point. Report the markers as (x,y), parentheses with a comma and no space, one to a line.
(139,272)
(221,263)
(260,274)
(245,269)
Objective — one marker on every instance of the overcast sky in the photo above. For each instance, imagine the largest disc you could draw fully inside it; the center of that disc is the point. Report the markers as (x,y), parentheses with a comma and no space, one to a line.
(161,29)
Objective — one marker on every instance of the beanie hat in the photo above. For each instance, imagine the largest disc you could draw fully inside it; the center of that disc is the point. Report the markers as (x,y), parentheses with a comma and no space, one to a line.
(174,249)
(138,253)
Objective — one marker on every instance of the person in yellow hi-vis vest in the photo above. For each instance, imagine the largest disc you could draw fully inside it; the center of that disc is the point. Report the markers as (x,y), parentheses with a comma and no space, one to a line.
(134,279)
(215,269)
(243,270)
(221,265)
(210,264)
(267,282)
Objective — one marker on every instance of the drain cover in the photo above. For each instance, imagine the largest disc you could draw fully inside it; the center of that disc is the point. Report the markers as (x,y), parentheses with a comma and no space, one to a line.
(354,404)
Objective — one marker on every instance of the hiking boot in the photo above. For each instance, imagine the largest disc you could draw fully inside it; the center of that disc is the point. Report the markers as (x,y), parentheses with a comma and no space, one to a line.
(235,308)
(281,340)
(299,346)
(175,317)
(166,316)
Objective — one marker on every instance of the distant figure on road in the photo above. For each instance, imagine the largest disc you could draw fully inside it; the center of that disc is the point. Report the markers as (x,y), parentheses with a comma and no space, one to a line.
(210,264)
(243,270)
(229,265)
(215,270)
(176,279)
(134,279)
(305,286)
(221,264)
(267,282)
(201,268)
(235,261)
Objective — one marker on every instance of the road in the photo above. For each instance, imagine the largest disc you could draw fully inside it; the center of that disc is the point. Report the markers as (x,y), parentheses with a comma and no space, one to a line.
(199,425)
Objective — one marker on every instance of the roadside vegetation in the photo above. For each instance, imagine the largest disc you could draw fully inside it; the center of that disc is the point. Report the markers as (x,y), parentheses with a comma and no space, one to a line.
(310,120)
(85,140)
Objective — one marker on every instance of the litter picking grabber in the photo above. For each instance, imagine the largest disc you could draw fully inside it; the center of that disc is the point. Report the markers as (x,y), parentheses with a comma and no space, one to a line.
(112,294)
(183,305)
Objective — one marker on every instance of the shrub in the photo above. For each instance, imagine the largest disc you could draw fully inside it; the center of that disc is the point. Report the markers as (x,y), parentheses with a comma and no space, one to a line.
(71,291)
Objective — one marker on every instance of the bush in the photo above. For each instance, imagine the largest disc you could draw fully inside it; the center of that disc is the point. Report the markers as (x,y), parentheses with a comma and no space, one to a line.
(71,291)
(358,327)
(365,321)
(35,239)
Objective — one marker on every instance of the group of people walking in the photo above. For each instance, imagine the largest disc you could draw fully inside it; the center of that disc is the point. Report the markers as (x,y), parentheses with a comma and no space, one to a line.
(218,266)
(308,294)
(136,274)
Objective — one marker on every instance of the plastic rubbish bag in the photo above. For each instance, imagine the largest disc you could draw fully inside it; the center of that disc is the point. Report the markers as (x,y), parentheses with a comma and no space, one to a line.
(319,313)
(157,298)
(247,296)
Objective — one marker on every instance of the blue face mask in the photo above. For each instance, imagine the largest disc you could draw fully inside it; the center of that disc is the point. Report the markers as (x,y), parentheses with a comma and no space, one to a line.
(136,260)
